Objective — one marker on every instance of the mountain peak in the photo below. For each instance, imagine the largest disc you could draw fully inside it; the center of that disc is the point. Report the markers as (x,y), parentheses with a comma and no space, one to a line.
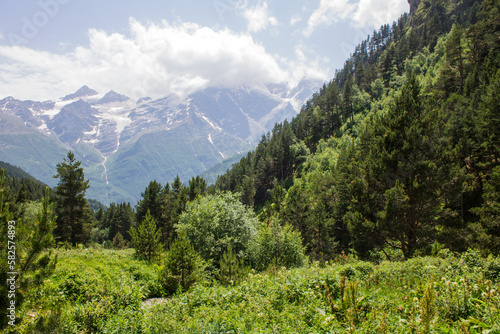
(83,91)
(112,96)
(143,99)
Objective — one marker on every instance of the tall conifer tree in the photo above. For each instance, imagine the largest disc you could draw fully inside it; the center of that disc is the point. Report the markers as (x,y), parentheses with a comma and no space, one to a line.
(74,217)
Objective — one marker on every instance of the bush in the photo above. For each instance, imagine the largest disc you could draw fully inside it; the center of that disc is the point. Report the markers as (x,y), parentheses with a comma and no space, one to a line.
(183,266)
(492,270)
(279,245)
(213,222)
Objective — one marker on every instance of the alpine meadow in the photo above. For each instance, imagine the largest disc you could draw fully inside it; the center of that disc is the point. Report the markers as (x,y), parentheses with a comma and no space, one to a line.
(376,209)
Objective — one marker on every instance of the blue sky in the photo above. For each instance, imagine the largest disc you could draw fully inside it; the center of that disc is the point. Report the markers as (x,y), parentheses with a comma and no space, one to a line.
(49,48)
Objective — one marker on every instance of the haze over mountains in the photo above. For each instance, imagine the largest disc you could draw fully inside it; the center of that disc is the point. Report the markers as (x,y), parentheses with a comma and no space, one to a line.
(123,144)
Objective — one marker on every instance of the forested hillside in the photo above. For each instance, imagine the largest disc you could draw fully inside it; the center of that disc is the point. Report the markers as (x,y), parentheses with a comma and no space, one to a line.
(399,149)
(23,186)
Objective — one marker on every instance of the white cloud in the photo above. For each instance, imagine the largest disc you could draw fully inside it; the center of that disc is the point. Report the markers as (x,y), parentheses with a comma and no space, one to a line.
(306,64)
(259,18)
(2,36)
(155,60)
(329,11)
(295,19)
(362,13)
(375,13)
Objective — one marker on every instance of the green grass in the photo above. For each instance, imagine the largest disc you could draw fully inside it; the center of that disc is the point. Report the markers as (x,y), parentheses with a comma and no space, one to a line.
(101,291)
(87,288)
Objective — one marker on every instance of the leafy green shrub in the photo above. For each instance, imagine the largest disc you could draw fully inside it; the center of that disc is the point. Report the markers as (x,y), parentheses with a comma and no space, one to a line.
(126,320)
(472,258)
(80,288)
(92,315)
(363,269)
(213,222)
(492,270)
(348,271)
(278,245)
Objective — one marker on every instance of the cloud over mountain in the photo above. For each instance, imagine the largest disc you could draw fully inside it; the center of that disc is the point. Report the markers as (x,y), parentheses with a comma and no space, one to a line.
(152,60)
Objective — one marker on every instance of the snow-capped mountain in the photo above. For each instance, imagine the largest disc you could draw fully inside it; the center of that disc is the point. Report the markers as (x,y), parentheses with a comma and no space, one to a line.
(123,144)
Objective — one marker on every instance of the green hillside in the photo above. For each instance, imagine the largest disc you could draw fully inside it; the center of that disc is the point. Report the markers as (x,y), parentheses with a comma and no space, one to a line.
(103,291)
(375,210)
(399,150)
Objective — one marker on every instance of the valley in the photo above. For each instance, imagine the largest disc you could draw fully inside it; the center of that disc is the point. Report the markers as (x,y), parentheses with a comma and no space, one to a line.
(123,144)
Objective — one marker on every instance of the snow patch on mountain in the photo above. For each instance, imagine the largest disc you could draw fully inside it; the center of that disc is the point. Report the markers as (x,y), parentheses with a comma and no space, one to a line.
(147,139)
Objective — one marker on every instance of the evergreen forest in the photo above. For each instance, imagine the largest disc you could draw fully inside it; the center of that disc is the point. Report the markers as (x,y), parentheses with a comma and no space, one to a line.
(375,210)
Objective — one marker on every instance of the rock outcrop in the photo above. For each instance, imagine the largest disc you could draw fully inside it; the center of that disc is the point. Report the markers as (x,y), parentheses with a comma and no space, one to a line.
(413,6)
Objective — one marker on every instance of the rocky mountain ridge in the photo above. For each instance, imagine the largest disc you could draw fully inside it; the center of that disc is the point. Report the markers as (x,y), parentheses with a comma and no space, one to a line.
(123,144)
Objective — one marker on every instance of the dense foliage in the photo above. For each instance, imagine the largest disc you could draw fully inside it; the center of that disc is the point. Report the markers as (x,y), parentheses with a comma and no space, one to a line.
(103,291)
(399,150)
(24,240)
(214,222)
(397,158)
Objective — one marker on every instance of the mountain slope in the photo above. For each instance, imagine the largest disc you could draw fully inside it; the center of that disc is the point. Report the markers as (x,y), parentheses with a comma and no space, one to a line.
(399,150)
(123,144)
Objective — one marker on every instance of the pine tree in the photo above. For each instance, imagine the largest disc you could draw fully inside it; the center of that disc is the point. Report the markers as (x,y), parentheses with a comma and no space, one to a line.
(151,201)
(31,238)
(232,270)
(454,72)
(347,108)
(23,195)
(183,263)
(197,187)
(488,153)
(74,218)
(408,177)
(146,239)
(38,238)
(118,241)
